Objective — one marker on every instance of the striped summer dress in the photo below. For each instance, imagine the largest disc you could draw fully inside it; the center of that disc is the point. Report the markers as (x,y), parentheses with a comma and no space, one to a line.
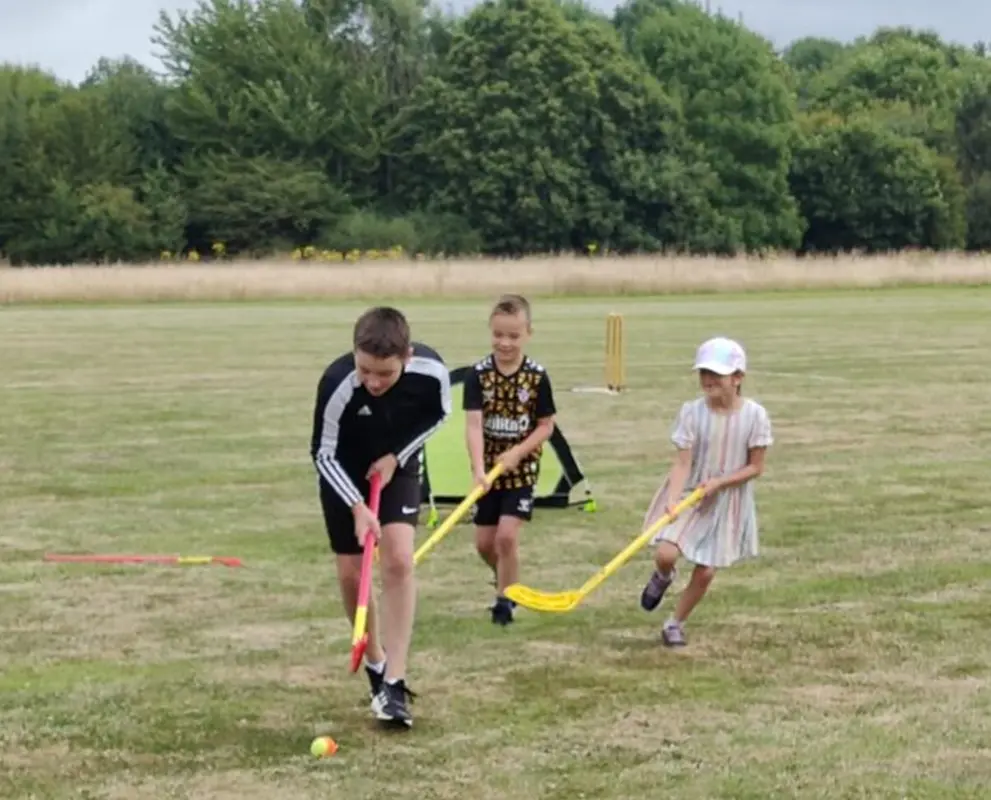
(722,529)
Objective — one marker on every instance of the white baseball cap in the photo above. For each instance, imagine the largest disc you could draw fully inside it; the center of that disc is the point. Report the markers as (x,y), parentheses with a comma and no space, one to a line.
(721,355)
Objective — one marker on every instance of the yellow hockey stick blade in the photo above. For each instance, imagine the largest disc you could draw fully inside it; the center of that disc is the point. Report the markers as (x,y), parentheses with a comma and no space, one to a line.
(566,601)
(542,601)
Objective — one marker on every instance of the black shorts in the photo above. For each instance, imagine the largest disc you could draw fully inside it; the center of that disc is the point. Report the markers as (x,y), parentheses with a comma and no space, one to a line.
(504,503)
(400,502)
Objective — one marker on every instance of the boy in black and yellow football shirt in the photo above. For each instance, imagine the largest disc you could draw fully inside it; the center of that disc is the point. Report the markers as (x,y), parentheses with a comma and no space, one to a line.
(510,411)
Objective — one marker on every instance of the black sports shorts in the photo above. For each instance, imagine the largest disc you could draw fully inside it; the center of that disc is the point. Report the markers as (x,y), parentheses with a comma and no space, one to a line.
(400,502)
(504,503)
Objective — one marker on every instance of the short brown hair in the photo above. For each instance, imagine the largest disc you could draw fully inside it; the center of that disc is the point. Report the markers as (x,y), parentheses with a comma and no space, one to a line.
(382,332)
(512,304)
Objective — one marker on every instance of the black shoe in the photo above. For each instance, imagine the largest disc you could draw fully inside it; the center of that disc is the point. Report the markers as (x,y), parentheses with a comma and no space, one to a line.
(502,611)
(389,705)
(375,680)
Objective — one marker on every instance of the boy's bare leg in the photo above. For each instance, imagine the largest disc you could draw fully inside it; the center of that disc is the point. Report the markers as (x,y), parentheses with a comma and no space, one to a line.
(485,538)
(507,551)
(398,595)
(398,610)
(507,567)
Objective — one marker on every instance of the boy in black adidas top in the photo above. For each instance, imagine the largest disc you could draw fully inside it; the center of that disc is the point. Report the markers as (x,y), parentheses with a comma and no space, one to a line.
(375,408)
(510,411)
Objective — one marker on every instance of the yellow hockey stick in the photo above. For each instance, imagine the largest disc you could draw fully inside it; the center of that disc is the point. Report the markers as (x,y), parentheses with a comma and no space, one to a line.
(566,601)
(463,507)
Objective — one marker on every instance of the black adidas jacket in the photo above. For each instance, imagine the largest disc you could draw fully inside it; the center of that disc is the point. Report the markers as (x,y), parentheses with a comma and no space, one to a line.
(352,429)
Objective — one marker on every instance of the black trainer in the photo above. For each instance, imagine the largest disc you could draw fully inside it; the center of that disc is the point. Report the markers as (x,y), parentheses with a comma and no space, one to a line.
(375,680)
(389,705)
(502,611)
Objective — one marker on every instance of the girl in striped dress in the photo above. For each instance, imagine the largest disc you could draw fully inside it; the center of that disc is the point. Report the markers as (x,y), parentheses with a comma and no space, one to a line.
(721,439)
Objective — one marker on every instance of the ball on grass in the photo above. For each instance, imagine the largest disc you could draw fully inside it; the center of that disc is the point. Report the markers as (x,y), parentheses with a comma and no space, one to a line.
(323,746)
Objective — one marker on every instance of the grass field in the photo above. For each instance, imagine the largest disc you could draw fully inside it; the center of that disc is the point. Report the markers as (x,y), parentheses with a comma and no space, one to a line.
(852,660)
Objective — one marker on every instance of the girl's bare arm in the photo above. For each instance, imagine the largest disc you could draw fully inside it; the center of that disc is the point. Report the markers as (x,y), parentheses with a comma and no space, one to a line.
(753,469)
(678,476)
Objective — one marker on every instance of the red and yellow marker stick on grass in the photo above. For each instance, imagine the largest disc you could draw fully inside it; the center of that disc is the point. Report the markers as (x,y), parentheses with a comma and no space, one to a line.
(182,561)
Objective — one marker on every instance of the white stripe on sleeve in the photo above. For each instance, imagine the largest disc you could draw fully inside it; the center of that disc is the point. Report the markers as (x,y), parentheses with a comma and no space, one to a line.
(326,461)
(435,369)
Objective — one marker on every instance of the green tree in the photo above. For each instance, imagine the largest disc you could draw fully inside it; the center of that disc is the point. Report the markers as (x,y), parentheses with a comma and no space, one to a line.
(737,104)
(494,134)
(26,96)
(546,135)
(135,101)
(811,55)
(257,204)
(73,165)
(86,143)
(651,187)
(51,235)
(896,70)
(910,79)
(113,226)
(807,58)
(972,127)
(323,81)
(520,126)
(862,187)
(979,212)
(161,193)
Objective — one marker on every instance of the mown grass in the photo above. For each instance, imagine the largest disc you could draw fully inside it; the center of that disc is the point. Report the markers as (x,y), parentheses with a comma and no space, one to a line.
(482,278)
(851,660)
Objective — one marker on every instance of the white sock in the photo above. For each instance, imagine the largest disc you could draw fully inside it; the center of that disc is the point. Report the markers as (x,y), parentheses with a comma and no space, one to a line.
(378,667)
(392,681)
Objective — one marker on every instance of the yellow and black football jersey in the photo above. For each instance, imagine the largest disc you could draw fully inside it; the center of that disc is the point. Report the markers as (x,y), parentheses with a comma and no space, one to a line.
(511,405)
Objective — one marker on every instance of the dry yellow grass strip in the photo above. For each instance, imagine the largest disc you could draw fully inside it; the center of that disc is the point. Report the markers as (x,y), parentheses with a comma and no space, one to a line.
(286,279)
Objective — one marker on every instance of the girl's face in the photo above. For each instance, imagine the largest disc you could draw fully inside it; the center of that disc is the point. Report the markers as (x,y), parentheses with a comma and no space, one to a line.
(720,388)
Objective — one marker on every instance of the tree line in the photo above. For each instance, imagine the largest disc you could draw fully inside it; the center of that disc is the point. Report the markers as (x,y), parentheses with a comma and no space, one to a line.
(521,126)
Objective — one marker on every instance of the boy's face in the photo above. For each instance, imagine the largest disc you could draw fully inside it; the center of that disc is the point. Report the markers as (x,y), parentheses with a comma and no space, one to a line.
(378,375)
(510,333)
(719,387)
